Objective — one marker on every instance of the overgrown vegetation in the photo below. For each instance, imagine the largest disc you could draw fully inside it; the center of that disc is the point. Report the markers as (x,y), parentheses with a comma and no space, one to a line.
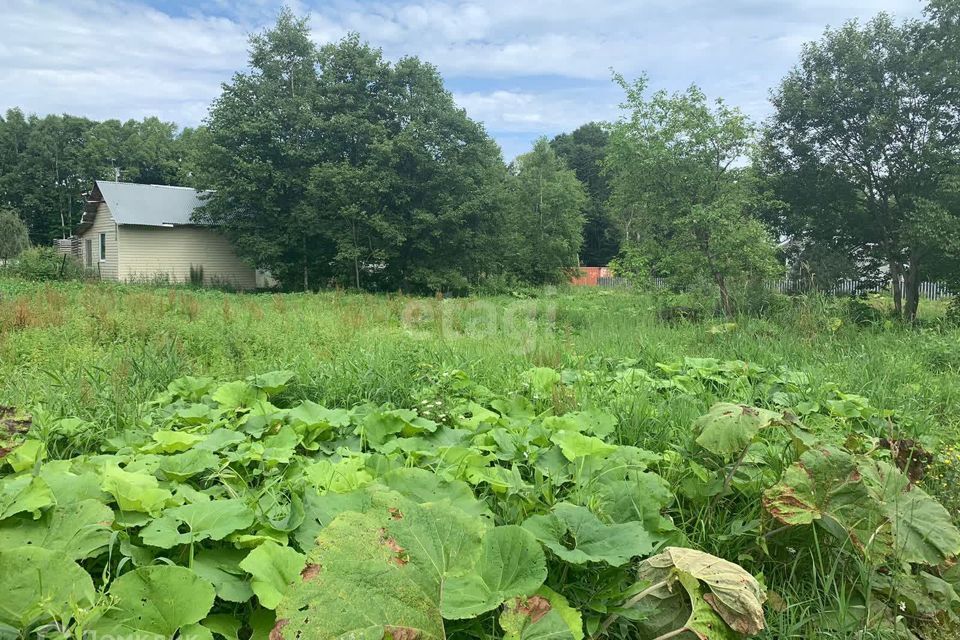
(575,436)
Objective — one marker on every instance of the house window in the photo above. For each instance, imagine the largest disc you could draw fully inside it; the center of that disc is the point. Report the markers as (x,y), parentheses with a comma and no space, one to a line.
(88,252)
(103,247)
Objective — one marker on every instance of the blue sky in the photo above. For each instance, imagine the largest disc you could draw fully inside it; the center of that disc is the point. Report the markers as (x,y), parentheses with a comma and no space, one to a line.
(525,68)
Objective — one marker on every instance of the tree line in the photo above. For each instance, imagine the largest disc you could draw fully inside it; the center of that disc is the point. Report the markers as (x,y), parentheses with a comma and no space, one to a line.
(331,165)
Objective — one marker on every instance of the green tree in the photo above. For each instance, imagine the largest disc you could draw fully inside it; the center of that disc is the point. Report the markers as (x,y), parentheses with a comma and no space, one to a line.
(547,202)
(865,133)
(14,237)
(48,163)
(684,206)
(336,165)
(584,150)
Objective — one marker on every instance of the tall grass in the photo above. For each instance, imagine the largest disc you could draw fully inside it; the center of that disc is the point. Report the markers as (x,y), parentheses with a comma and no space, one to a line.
(99,352)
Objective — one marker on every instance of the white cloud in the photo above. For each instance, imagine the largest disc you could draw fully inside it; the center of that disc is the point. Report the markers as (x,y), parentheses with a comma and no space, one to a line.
(524,67)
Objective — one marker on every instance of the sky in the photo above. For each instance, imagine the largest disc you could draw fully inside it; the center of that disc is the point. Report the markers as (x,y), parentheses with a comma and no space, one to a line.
(525,68)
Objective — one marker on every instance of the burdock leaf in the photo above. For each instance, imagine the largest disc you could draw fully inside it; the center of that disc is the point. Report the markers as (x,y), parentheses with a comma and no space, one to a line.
(575,445)
(869,502)
(732,603)
(155,601)
(23,494)
(38,584)
(578,536)
(274,569)
(80,530)
(728,428)
(511,564)
(396,558)
(213,520)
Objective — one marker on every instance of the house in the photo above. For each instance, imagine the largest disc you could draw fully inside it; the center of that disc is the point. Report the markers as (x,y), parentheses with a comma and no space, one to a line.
(144,233)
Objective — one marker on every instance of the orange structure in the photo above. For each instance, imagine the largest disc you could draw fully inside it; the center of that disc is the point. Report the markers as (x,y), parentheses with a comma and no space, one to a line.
(590,276)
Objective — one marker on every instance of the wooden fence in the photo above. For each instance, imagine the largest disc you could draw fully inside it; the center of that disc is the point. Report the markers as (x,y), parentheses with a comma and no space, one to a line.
(928,290)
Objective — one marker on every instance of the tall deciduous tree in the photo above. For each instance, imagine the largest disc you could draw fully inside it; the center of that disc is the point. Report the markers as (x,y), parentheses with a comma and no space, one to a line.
(546,216)
(47,163)
(684,205)
(332,164)
(584,150)
(13,234)
(865,133)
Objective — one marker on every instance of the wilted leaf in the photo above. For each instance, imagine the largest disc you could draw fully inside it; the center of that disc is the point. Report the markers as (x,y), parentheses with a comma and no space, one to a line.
(866,501)
(733,600)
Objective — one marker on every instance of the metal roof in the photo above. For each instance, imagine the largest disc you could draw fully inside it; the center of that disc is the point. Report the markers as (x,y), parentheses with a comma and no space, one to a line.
(150,204)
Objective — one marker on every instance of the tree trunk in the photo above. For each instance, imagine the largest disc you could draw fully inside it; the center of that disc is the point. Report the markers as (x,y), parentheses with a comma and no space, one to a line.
(725,301)
(306,277)
(911,287)
(896,271)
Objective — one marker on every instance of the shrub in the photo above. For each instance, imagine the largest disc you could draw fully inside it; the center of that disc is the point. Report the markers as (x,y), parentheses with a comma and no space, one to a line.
(46,263)
(13,235)
(953,310)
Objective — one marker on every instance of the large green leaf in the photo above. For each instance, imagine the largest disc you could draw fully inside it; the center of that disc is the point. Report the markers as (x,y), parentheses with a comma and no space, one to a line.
(422,486)
(273,569)
(39,585)
(80,530)
(155,601)
(191,523)
(221,567)
(135,491)
(511,564)
(868,502)
(728,428)
(237,395)
(578,536)
(271,382)
(23,494)
(394,558)
(576,445)
(183,466)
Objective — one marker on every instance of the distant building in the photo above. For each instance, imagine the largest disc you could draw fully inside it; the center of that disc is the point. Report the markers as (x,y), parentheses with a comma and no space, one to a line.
(144,233)
(590,276)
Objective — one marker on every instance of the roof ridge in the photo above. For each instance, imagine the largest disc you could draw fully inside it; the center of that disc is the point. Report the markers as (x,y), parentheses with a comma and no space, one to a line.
(144,184)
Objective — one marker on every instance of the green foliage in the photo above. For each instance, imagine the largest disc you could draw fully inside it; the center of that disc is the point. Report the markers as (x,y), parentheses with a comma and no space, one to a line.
(584,149)
(546,216)
(14,237)
(685,209)
(362,172)
(46,263)
(471,422)
(47,163)
(844,152)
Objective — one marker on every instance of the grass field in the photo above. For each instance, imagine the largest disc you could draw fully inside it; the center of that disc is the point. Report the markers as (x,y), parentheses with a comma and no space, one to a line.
(102,353)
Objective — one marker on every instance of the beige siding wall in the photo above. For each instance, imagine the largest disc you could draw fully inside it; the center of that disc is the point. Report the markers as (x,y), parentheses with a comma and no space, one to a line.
(103,223)
(149,254)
